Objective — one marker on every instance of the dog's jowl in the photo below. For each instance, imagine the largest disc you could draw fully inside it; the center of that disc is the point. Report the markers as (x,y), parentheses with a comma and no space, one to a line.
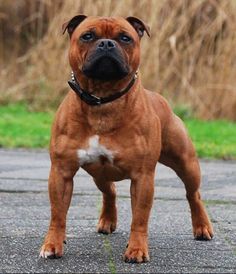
(115,129)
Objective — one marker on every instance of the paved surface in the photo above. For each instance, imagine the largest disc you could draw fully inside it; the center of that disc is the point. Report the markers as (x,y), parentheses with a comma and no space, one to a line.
(24,217)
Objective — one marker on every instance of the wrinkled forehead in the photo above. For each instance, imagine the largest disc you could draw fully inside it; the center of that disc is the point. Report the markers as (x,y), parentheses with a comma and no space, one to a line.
(106,27)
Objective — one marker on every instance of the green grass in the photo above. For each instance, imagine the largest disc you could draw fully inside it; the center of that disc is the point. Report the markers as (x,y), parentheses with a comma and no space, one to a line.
(213,139)
(22,128)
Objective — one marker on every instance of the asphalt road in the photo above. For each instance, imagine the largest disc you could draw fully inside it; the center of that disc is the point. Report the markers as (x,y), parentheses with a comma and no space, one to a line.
(24,218)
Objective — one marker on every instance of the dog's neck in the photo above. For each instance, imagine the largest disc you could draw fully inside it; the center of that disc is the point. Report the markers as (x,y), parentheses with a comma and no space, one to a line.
(100,88)
(109,117)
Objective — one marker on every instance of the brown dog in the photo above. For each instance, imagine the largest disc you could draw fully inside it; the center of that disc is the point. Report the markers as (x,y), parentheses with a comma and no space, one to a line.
(115,129)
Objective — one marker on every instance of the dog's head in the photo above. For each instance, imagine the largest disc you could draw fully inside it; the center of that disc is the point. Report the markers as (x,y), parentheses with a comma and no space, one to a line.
(105,48)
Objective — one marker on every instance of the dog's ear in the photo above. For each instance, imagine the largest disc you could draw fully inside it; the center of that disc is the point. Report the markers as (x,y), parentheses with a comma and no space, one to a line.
(139,26)
(73,23)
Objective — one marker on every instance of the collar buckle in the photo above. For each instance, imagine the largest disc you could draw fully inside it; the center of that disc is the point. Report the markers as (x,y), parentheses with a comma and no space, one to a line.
(97,99)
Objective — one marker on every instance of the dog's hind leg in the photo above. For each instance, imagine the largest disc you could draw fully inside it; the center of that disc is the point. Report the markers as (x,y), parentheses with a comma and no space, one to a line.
(108,217)
(178,153)
(188,170)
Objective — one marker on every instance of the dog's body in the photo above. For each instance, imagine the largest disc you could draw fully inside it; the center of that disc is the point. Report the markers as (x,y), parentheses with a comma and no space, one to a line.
(122,139)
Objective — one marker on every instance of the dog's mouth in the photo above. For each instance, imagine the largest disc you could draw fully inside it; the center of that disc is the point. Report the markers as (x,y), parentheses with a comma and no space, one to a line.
(105,67)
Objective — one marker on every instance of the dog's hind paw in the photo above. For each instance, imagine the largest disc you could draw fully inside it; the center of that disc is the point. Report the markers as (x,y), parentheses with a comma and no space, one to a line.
(203,233)
(136,255)
(106,226)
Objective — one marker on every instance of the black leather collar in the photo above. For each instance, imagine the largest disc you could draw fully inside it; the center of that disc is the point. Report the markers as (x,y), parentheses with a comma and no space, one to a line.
(93,100)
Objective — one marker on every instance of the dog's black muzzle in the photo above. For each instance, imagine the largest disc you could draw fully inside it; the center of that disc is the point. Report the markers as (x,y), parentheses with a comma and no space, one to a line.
(106,62)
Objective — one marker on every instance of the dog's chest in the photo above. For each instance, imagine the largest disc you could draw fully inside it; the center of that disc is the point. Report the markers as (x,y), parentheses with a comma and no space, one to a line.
(95,152)
(100,159)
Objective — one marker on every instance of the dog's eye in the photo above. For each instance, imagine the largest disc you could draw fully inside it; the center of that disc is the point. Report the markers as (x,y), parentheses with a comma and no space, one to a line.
(88,36)
(125,38)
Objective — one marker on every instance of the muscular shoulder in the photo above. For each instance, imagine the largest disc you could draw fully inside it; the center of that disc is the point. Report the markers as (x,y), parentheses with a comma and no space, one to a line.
(160,105)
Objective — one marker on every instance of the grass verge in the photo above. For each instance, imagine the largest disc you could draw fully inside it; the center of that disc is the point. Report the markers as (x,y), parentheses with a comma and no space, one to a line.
(22,128)
(213,139)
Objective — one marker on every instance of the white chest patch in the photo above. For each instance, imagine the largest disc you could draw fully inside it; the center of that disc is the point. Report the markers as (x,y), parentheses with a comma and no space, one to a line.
(93,153)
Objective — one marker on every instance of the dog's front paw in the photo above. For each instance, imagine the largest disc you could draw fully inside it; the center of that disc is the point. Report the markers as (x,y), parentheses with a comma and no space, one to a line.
(106,226)
(52,247)
(203,232)
(136,255)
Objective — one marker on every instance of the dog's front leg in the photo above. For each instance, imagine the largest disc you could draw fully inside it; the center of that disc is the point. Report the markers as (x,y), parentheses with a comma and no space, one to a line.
(60,192)
(142,191)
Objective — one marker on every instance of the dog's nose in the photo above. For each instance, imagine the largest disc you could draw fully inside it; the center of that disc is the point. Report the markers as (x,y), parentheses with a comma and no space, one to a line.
(106,44)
